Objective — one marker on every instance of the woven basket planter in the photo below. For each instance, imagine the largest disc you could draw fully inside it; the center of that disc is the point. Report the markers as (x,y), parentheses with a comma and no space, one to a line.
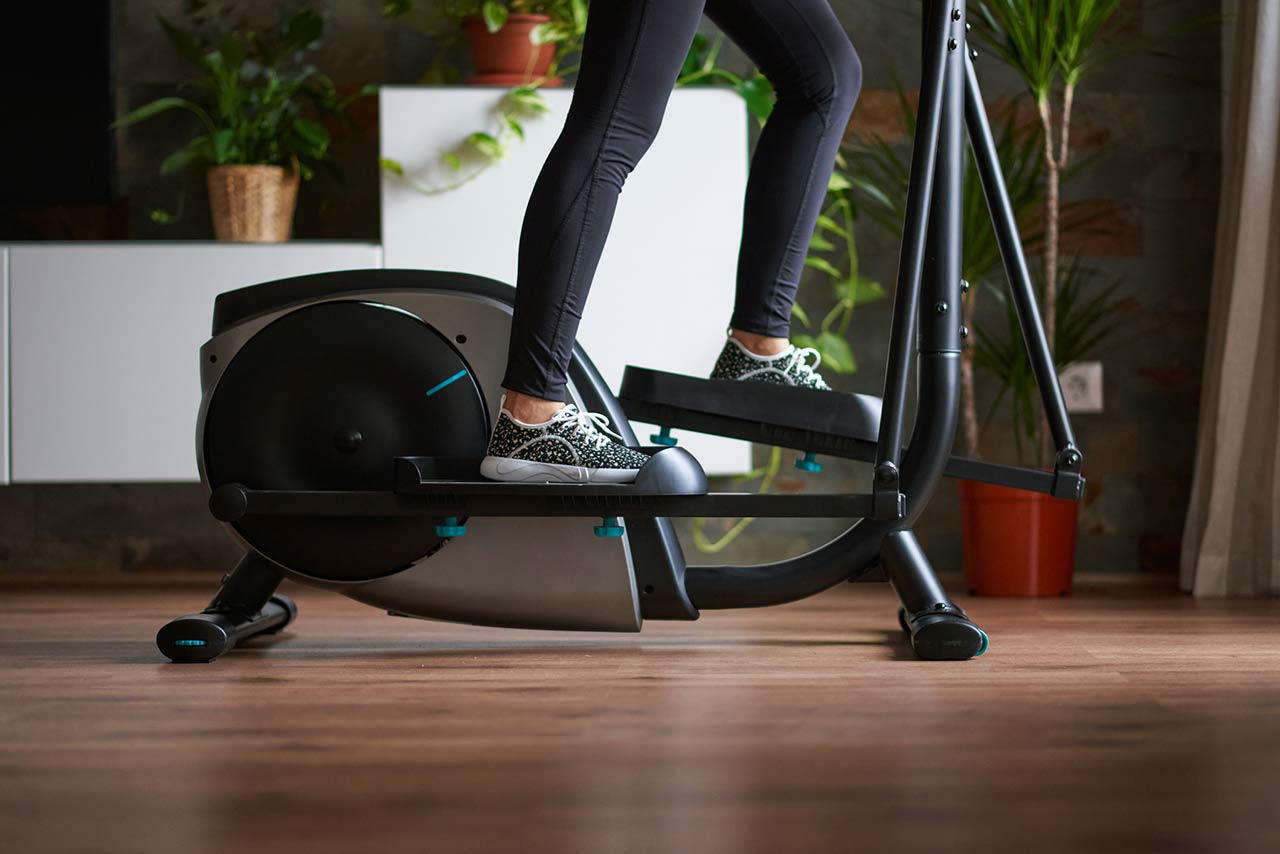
(252,204)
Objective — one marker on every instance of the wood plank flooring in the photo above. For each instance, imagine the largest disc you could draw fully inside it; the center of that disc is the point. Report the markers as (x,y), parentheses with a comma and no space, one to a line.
(1127,720)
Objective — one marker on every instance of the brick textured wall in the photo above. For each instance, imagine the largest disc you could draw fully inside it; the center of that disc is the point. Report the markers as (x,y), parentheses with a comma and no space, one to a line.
(1152,117)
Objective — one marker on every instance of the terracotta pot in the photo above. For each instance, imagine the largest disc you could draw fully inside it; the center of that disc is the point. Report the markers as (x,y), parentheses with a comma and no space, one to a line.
(252,204)
(1017,543)
(507,57)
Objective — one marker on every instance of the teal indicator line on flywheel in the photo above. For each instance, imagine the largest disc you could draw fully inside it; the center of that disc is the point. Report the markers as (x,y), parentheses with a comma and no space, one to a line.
(441,386)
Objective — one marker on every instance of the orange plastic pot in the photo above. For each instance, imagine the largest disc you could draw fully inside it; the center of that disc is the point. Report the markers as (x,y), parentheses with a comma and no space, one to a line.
(1017,543)
(507,57)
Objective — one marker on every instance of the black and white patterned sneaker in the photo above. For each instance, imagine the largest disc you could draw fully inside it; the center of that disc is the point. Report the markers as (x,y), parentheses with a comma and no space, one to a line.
(791,367)
(570,448)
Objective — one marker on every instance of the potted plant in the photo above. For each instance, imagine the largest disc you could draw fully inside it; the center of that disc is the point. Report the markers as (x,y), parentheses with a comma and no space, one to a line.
(1019,543)
(259,128)
(513,42)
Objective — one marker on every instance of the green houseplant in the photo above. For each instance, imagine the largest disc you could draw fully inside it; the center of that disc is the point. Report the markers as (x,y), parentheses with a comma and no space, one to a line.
(1024,543)
(258,110)
(512,42)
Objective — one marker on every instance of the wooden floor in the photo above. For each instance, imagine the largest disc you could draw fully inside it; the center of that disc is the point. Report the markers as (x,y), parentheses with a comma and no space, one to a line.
(1116,720)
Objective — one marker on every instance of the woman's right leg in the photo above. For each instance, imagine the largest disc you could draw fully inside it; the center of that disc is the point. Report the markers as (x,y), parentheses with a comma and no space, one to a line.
(631,57)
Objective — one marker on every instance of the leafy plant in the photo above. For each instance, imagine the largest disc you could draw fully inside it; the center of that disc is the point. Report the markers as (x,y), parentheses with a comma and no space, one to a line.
(1051,44)
(259,102)
(480,149)
(565,30)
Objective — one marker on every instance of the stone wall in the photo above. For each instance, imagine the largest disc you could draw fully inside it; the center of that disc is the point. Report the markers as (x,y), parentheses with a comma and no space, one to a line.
(1152,118)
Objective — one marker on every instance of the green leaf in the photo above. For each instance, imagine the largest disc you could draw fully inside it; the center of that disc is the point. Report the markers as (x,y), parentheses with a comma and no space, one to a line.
(486,144)
(395,167)
(494,14)
(312,132)
(516,128)
(224,146)
(838,183)
(181,159)
(836,353)
(858,290)
(552,32)
(155,108)
(758,93)
(824,265)
(826,223)
(818,243)
(452,160)
(528,98)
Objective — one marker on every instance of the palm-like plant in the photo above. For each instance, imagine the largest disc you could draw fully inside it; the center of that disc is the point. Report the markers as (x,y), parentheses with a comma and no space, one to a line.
(1051,44)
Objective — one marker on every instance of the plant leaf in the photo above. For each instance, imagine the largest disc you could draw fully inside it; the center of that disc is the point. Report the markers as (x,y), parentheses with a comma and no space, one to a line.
(836,353)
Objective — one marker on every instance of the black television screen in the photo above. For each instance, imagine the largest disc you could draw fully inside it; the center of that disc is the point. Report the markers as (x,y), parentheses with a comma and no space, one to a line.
(56,80)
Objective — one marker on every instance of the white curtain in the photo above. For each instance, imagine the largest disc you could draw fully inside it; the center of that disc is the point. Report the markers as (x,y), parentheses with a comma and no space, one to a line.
(1231,546)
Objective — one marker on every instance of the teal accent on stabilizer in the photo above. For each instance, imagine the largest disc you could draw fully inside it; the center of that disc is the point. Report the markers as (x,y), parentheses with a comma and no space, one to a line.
(664,438)
(451,528)
(190,642)
(809,463)
(986,642)
(609,528)
(443,384)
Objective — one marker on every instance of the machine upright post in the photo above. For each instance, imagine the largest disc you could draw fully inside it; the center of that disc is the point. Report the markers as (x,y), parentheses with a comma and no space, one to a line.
(939,629)
(939,41)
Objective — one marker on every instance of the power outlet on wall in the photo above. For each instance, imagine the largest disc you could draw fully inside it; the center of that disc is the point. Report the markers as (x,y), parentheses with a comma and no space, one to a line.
(1082,386)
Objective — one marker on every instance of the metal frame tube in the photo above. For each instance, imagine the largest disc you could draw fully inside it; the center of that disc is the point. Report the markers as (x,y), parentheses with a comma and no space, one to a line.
(912,255)
(1015,264)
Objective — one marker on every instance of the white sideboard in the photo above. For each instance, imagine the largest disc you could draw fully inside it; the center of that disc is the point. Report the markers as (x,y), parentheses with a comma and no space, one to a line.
(104,380)
(665,286)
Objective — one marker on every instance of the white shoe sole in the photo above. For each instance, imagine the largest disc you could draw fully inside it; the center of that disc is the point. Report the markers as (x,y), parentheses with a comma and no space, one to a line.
(528,471)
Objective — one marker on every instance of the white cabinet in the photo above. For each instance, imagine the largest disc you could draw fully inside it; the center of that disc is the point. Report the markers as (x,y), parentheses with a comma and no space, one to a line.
(103,342)
(664,290)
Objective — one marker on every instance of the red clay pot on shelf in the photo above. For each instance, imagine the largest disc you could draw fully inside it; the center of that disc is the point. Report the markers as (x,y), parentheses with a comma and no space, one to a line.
(1017,543)
(507,57)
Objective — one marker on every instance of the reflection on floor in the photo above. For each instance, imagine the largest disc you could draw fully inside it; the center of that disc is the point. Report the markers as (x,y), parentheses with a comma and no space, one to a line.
(1121,719)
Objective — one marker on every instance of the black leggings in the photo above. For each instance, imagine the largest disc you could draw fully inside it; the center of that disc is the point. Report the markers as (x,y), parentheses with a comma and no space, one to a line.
(631,57)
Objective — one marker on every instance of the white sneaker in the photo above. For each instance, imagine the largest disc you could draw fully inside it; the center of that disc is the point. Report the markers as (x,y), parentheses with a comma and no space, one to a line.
(571,447)
(790,367)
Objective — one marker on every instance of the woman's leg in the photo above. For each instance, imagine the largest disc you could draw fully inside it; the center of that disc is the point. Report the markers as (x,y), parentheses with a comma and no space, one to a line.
(802,48)
(631,57)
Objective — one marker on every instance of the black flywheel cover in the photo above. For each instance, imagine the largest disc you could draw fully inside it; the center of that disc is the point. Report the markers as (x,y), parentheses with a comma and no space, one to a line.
(325,398)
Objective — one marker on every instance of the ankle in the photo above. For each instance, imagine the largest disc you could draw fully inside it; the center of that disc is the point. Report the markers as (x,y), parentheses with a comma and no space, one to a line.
(760,345)
(529,409)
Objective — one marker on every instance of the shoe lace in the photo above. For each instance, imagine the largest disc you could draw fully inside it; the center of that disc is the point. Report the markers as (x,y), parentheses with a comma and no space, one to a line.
(592,426)
(800,364)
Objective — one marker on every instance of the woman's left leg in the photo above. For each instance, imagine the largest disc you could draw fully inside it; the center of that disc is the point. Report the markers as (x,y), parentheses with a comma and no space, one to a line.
(802,48)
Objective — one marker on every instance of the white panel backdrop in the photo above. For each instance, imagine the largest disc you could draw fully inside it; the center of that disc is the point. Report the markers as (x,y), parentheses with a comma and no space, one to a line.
(664,290)
(104,359)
